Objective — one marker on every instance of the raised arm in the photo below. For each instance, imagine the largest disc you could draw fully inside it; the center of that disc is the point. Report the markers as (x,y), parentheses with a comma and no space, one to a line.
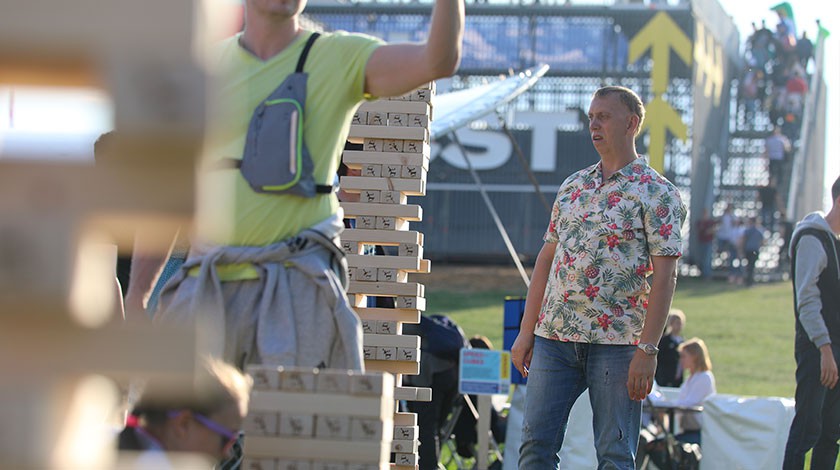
(395,69)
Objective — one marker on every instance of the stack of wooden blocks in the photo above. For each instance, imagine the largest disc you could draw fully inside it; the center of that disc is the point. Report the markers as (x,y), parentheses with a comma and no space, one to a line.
(310,419)
(394,162)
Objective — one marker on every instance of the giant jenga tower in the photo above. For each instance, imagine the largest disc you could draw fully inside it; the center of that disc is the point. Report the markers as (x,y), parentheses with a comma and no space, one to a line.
(393,163)
(58,354)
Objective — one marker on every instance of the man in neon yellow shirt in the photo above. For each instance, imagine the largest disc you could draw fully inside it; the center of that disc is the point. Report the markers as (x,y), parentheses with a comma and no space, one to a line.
(258,273)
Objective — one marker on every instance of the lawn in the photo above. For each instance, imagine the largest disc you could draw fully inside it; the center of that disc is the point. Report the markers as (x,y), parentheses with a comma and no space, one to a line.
(749,331)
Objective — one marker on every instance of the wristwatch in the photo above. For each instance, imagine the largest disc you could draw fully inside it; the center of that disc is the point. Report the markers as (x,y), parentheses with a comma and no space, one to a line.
(649,349)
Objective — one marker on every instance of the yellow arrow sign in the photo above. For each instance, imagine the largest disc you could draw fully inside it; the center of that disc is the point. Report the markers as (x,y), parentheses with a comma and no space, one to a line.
(660,118)
(661,34)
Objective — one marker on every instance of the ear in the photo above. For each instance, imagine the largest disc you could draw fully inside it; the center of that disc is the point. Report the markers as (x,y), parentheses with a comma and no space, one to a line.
(633,123)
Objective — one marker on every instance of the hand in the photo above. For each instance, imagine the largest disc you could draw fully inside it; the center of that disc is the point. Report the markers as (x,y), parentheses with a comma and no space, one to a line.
(521,352)
(640,375)
(828,367)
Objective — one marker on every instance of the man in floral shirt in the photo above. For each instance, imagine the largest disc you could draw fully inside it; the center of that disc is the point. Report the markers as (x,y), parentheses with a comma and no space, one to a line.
(591,319)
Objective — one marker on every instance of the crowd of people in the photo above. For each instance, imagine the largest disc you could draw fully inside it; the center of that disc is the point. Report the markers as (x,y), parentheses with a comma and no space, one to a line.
(737,241)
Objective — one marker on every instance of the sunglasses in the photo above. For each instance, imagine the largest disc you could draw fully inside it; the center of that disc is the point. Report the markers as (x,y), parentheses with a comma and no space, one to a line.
(228,437)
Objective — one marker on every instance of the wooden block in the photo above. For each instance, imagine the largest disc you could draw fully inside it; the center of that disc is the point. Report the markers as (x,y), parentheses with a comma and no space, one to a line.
(393,145)
(365,429)
(391,275)
(404,446)
(259,464)
(410,249)
(411,212)
(414,146)
(391,171)
(283,464)
(351,248)
(412,172)
(408,354)
(372,169)
(261,423)
(407,186)
(360,117)
(400,315)
(364,405)
(421,95)
(366,222)
(264,377)
(418,120)
(332,427)
(351,274)
(373,145)
(368,384)
(388,106)
(377,118)
(407,433)
(296,425)
(389,132)
(381,238)
(317,465)
(326,450)
(405,419)
(362,466)
(413,394)
(398,119)
(392,197)
(390,289)
(369,326)
(411,302)
(371,196)
(394,367)
(405,97)
(386,353)
(297,380)
(333,381)
(365,274)
(357,158)
(405,459)
(395,262)
(386,223)
(425,266)
(369,352)
(397,341)
(386,327)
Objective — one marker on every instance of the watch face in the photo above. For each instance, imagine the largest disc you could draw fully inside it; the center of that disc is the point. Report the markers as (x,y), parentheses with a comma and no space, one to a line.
(649,349)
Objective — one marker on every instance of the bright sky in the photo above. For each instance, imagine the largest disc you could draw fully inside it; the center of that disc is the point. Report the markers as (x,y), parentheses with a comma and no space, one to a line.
(805,12)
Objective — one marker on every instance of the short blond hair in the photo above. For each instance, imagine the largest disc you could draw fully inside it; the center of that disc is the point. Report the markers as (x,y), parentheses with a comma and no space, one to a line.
(697,348)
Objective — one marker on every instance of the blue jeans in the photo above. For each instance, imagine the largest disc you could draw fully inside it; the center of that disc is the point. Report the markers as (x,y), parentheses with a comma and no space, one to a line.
(560,372)
(816,423)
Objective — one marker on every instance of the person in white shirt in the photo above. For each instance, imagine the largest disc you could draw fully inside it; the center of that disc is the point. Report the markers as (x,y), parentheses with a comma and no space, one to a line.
(694,357)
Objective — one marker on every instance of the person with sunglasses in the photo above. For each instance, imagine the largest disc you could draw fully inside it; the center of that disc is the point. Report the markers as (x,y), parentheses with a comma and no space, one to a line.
(205,420)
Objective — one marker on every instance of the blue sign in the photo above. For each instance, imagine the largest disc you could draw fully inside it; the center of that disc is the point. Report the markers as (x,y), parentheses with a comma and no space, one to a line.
(484,372)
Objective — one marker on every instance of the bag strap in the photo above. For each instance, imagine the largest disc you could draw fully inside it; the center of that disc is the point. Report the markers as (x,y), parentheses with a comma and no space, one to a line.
(235,163)
(305,53)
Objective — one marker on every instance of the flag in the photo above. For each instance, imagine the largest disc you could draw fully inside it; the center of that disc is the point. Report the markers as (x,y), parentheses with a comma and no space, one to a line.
(822,33)
(784,9)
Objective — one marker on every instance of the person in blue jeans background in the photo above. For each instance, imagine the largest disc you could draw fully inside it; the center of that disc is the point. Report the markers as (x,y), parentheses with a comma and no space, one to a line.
(592,320)
(815,261)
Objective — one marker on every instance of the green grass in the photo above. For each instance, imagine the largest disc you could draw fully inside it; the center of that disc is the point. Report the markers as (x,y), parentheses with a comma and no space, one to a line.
(749,331)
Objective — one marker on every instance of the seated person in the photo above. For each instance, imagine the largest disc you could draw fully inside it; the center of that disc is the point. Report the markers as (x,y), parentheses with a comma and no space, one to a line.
(700,384)
(206,419)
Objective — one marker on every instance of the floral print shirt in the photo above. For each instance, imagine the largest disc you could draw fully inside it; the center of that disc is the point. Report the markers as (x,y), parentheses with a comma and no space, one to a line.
(605,234)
